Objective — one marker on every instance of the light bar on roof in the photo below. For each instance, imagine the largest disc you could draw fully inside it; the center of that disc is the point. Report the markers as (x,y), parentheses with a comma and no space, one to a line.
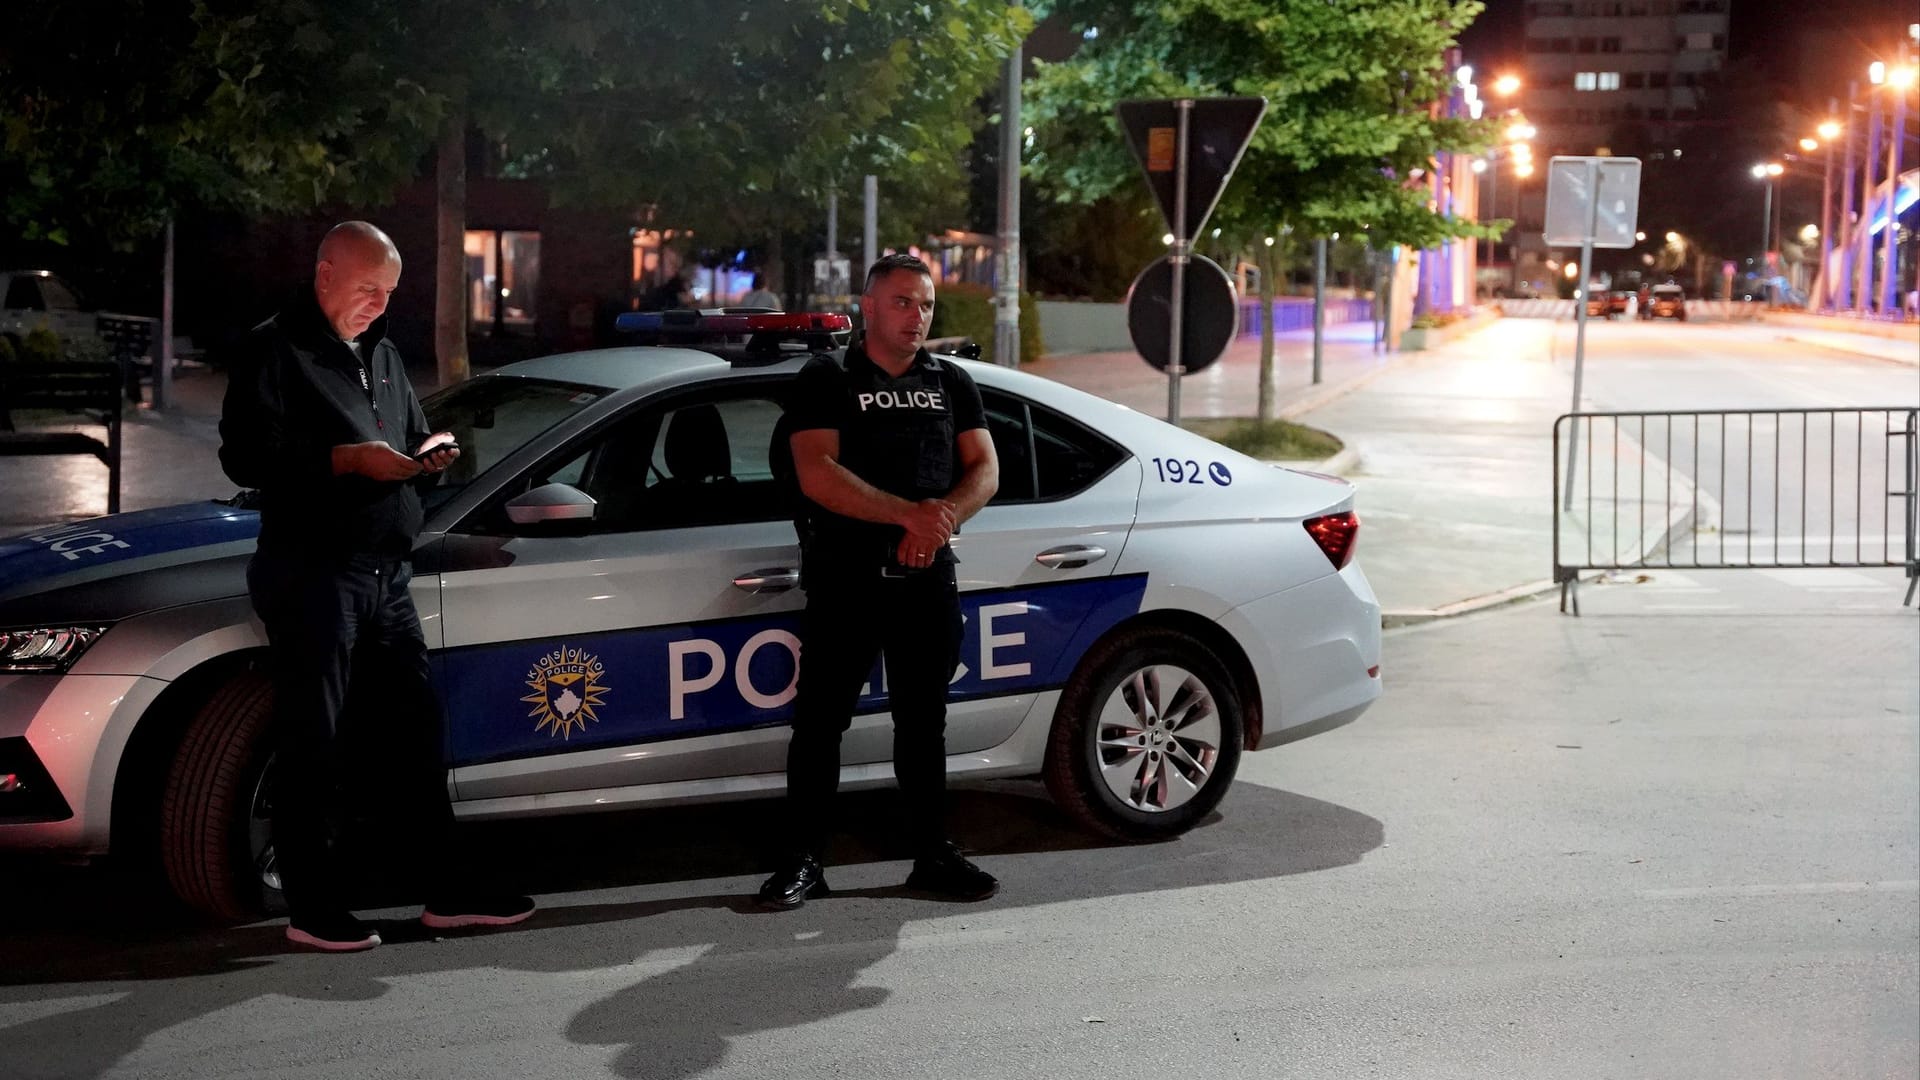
(799,322)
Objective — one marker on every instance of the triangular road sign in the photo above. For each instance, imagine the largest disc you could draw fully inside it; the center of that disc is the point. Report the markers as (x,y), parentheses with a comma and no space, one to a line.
(1217,134)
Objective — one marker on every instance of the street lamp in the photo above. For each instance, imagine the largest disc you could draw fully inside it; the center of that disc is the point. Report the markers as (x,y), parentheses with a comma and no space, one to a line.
(1506,85)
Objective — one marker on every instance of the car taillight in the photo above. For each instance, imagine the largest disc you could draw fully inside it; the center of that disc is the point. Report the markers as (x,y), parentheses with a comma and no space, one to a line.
(1335,533)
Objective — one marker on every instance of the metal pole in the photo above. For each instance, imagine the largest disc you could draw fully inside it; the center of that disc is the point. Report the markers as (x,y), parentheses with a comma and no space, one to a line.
(1896,134)
(1319,302)
(163,349)
(1580,335)
(1766,227)
(1182,251)
(1844,280)
(1864,241)
(1006,300)
(872,225)
(833,235)
(1825,300)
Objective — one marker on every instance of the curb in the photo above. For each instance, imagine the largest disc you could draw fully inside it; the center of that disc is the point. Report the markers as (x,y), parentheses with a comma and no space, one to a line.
(1340,464)
(1846,351)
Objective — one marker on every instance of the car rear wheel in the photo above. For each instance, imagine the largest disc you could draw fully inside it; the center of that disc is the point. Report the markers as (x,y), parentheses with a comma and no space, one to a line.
(216,809)
(1147,736)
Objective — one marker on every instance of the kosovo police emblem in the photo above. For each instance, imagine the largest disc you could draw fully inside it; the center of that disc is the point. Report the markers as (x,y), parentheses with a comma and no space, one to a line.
(566,687)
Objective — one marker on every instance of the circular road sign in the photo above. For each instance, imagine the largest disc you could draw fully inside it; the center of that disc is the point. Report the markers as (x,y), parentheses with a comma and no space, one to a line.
(1212,313)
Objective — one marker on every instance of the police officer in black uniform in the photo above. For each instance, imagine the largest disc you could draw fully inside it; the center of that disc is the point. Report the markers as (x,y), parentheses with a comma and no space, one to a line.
(891,452)
(319,416)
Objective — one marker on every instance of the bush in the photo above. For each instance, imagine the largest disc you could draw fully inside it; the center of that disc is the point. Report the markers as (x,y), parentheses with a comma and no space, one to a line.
(1275,440)
(41,346)
(964,309)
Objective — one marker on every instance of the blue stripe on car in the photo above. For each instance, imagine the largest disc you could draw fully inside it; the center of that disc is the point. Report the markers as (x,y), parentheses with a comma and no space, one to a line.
(577,692)
(59,550)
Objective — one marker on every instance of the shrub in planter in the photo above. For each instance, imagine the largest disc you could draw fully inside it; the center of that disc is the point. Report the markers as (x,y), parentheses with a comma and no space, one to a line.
(963,309)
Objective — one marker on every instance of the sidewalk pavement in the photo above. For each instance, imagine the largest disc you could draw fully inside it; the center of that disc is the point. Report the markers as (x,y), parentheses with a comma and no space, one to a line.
(1900,350)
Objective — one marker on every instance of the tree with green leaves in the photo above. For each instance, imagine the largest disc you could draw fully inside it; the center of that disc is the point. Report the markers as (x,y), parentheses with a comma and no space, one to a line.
(734,124)
(1352,130)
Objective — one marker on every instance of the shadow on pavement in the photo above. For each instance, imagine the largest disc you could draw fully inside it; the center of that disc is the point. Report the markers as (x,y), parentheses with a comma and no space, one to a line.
(72,933)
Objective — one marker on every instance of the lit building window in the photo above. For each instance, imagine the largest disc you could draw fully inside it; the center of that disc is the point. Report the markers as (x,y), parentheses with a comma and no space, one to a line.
(503,278)
(1609,80)
(1585,80)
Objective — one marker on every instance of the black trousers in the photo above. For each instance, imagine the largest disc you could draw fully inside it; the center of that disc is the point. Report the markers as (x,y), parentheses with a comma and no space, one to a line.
(851,619)
(335,630)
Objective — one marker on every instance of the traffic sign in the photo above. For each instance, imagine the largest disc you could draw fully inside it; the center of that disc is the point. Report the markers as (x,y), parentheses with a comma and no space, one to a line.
(1211,314)
(1598,192)
(1217,135)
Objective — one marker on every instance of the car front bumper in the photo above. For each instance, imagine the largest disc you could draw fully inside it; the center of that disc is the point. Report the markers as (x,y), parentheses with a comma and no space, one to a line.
(69,730)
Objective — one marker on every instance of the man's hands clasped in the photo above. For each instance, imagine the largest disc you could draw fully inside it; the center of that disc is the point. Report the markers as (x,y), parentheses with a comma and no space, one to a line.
(929,524)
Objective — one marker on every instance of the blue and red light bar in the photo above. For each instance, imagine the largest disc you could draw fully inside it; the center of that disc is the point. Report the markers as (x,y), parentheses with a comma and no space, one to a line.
(798,322)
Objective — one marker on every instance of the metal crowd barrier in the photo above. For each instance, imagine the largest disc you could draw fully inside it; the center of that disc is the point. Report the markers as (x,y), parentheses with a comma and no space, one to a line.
(1735,489)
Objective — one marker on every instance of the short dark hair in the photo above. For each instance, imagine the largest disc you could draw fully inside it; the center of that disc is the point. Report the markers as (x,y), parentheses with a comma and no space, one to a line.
(887,264)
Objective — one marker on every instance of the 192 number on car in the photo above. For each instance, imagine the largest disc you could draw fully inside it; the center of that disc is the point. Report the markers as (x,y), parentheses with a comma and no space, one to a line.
(1177,471)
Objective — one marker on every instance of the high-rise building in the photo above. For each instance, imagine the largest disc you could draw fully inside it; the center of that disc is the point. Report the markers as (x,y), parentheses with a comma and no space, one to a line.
(1595,65)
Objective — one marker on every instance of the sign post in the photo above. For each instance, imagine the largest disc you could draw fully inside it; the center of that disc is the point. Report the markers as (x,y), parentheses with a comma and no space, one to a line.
(1188,147)
(1592,202)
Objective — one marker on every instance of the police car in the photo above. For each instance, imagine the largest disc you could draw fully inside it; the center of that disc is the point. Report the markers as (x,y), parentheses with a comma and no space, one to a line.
(608,583)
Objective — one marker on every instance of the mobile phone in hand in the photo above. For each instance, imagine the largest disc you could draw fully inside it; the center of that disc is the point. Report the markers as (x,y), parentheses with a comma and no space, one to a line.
(432,450)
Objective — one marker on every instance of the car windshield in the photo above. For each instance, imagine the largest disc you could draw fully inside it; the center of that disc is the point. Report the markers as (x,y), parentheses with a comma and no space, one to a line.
(494,415)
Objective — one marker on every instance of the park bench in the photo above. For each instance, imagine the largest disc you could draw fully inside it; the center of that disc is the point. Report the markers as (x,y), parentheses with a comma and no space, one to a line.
(91,389)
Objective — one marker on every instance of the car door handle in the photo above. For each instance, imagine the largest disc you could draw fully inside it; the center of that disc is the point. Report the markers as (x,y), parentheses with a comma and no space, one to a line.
(1071,557)
(777,579)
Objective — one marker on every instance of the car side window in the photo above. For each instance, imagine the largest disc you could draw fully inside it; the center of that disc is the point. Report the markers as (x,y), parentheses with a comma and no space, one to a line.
(690,463)
(57,296)
(23,294)
(1044,455)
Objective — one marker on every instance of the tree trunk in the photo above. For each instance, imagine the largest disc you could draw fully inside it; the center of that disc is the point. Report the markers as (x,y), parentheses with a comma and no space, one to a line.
(450,269)
(1267,265)
(773,264)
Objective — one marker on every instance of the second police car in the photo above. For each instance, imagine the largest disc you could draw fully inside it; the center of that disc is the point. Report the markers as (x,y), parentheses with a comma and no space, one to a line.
(608,582)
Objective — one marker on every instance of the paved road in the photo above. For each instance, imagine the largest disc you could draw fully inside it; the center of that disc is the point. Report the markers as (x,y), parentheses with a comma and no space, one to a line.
(1646,843)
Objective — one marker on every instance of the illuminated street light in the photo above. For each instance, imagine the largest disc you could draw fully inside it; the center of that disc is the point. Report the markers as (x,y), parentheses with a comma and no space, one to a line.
(1521,132)
(1269,241)
(1830,130)
(1809,145)
(1639,236)
(1877,72)
(1901,77)
(1506,85)
(1167,239)
(1523,169)
(1465,74)
(1673,238)
(1479,165)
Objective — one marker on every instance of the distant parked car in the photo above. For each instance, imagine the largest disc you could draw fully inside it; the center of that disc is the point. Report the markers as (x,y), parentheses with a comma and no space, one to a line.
(1599,304)
(33,299)
(1669,302)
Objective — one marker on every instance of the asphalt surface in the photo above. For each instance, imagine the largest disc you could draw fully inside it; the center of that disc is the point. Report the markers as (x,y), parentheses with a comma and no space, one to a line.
(1649,842)
(1676,837)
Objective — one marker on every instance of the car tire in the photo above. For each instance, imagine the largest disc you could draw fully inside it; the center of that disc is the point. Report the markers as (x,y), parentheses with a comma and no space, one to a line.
(214,844)
(1109,759)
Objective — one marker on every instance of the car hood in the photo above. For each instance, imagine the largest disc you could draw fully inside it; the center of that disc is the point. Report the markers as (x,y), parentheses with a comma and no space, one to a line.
(107,568)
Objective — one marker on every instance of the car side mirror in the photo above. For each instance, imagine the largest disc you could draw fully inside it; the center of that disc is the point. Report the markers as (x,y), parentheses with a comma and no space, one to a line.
(553,508)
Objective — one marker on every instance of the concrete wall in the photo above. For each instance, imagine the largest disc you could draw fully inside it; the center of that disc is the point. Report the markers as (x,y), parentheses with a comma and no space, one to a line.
(1074,327)
(1069,326)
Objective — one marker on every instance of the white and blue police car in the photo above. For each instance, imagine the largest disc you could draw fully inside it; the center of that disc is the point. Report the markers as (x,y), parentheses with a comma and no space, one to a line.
(608,583)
